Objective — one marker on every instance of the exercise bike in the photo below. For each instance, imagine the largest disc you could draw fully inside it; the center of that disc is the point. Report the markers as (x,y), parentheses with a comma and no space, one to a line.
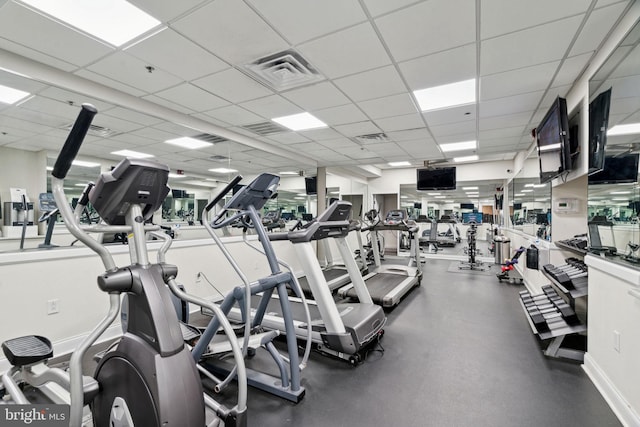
(149,378)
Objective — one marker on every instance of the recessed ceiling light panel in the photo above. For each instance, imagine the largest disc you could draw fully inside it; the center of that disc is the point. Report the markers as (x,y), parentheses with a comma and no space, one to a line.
(446,96)
(9,95)
(132,154)
(187,142)
(302,121)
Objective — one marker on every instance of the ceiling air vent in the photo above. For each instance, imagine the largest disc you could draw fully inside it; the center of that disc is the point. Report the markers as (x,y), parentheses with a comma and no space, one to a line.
(219,158)
(372,138)
(284,70)
(94,130)
(265,128)
(207,137)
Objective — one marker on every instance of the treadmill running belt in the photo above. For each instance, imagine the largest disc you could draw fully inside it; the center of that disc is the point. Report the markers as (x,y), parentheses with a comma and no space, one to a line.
(329,275)
(380,285)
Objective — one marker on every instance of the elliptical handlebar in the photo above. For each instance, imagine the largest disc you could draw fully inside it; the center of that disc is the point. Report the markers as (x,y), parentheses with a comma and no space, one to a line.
(223,193)
(74,141)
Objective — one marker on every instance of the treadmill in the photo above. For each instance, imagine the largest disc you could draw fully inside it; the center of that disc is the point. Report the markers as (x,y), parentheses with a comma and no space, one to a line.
(336,275)
(388,283)
(341,329)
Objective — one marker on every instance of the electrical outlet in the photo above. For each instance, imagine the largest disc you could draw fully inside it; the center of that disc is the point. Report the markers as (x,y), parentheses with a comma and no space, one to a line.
(616,341)
(53,306)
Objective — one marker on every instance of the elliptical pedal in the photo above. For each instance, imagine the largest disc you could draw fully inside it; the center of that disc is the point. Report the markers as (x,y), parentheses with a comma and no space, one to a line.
(27,350)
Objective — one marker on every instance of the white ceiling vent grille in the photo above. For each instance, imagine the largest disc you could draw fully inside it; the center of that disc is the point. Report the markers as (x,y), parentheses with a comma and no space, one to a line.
(373,138)
(284,70)
(207,137)
(94,130)
(265,128)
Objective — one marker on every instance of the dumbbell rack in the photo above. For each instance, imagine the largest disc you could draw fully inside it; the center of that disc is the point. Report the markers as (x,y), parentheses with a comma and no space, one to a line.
(552,315)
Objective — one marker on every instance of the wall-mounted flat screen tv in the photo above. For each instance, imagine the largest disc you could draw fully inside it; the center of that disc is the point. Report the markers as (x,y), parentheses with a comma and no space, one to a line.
(617,170)
(436,179)
(311,185)
(552,136)
(598,124)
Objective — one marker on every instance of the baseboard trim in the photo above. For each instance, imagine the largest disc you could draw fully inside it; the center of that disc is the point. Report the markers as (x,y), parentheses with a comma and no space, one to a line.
(627,416)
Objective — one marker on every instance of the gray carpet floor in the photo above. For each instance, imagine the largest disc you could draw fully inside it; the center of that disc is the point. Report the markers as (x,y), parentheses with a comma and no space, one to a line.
(458,351)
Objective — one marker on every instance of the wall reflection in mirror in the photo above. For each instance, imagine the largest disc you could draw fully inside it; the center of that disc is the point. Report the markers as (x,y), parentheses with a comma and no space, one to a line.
(614,196)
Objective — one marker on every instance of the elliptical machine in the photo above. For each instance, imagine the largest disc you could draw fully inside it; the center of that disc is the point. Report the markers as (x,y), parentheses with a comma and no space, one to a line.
(149,378)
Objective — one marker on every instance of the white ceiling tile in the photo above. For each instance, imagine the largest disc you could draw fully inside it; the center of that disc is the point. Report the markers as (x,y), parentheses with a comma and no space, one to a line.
(536,45)
(510,104)
(346,52)
(411,134)
(115,123)
(625,87)
(395,105)
(514,131)
(506,143)
(450,115)
(41,57)
(288,138)
(358,153)
(233,86)
(153,134)
(428,27)
(515,82)
(371,84)
(304,147)
(571,68)
(184,59)
(385,148)
(271,106)
(21,83)
(77,99)
(317,97)
(60,41)
(553,93)
(409,121)
(502,17)
(192,97)
(98,78)
(321,134)
(176,129)
(511,120)
(132,71)
(447,138)
(625,106)
(307,19)
(466,127)
(51,107)
(378,7)
(421,148)
(340,115)
(232,31)
(132,116)
(629,66)
(450,66)
(25,127)
(234,115)
(356,129)
(598,24)
(132,139)
(168,104)
(165,10)
(37,117)
(339,143)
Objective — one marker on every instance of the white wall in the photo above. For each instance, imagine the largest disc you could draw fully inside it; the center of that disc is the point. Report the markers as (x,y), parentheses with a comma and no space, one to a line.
(30,279)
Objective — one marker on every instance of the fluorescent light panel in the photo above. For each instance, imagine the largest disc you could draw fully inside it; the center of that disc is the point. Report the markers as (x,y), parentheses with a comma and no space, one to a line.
(446,96)
(288,173)
(222,170)
(132,154)
(302,121)
(527,191)
(434,194)
(175,175)
(395,164)
(9,95)
(187,142)
(627,129)
(466,158)
(85,164)
(114,21)
(469,188)
(459,146)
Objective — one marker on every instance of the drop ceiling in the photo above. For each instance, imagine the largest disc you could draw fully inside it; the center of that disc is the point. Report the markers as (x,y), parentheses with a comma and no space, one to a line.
(368,56)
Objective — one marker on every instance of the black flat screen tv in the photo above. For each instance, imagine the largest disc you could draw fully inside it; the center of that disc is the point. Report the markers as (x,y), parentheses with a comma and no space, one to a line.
(598,124)
(311,185)
(436,179)
(417,205)
(467,206)
(617,170)
(552,136)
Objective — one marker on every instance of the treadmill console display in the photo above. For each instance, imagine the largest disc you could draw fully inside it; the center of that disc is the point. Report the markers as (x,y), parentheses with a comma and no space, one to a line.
(395,217)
